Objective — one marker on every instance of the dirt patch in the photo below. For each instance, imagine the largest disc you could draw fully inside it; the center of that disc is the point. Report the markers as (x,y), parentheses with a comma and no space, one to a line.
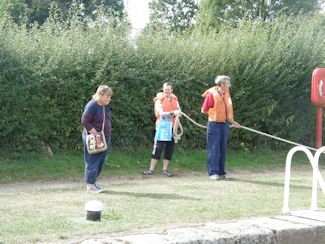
(66,184)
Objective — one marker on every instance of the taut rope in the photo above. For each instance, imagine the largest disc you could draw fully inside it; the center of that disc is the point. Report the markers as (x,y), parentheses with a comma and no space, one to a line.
(178,126)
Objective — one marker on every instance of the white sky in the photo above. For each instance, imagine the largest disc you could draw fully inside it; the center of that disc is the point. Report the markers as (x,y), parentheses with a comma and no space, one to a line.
(138,13)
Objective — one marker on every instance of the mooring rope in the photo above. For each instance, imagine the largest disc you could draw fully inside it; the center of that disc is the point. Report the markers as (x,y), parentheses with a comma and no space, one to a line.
(276,138)
(178,131)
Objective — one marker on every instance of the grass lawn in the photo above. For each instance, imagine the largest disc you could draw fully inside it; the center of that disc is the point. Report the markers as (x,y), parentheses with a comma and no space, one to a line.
(37,211)
(70,165)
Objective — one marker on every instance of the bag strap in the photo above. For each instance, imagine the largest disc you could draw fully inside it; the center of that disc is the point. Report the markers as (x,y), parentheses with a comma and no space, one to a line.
(103,119)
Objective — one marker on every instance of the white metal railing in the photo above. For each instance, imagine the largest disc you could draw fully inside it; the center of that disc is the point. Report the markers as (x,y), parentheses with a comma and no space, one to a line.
(317,177)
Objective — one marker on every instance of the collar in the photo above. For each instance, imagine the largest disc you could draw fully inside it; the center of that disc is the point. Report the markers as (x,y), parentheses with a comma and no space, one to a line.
(220,91)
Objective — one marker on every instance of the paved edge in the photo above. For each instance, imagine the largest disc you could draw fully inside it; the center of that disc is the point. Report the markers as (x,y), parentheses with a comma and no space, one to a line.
(282,229)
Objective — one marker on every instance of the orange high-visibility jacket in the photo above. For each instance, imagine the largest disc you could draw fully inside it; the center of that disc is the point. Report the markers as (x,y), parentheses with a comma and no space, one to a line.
(222,108)
(167,105)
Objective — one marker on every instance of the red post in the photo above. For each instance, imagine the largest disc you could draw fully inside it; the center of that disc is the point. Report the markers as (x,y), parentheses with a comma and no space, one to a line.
(319,126)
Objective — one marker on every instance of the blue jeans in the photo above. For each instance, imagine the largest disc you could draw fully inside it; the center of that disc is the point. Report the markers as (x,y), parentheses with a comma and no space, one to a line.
(94,162)
(217,136)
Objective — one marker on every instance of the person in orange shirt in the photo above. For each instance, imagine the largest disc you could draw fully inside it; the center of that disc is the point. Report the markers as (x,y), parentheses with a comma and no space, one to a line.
(166,108)
(218,106)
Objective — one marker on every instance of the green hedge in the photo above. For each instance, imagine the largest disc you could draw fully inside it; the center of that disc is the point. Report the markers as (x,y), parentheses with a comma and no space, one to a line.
(49,72)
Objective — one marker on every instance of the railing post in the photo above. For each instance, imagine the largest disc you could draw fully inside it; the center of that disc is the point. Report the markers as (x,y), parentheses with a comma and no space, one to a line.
(290,154)
(315,169)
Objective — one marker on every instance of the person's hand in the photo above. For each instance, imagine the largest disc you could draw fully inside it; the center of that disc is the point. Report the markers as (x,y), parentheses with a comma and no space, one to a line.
(234,124)
(176,112)
(93,131)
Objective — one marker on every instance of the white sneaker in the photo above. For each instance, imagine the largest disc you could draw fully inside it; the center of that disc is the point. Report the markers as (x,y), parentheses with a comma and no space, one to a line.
(214,177)
(99,187)
(93,189)
(227,177)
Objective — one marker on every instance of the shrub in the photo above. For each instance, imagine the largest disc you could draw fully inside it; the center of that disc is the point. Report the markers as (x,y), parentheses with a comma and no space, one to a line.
(49,73)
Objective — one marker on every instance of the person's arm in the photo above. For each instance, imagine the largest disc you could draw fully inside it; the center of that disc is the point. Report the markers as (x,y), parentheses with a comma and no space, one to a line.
(86,118)
(234,124)
(176,111)
(159,110)
(230,112)
(207,104)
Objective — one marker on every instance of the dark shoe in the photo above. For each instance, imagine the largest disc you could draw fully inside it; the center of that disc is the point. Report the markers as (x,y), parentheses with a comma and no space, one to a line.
(167,173)
(148,172)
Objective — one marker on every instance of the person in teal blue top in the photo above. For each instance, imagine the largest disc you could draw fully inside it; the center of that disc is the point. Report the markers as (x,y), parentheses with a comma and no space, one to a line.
(166,108)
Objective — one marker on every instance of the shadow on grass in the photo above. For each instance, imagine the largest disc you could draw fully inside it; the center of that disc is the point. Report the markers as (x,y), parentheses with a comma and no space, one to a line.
(258,182)
(152,195)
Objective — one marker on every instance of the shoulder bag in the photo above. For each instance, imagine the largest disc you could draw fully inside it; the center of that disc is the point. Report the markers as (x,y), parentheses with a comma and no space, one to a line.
(96,143)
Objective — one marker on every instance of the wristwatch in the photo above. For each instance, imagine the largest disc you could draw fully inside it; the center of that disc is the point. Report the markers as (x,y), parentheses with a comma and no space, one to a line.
(171,113)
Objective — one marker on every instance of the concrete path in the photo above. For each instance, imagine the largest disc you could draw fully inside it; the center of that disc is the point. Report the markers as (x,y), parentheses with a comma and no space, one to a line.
(298,227)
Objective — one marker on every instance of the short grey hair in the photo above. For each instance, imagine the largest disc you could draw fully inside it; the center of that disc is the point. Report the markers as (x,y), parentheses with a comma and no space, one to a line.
(221,79)
(168,83)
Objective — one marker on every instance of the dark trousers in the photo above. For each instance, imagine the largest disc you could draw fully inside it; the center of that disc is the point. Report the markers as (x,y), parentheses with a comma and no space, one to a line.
(160,146)
(93,162)
(217,136)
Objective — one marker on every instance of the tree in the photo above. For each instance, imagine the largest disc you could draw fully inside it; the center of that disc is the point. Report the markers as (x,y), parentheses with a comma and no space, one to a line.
(213,13)
(295,7)
(17,9)
(114,6)
(172,15)
(38,10)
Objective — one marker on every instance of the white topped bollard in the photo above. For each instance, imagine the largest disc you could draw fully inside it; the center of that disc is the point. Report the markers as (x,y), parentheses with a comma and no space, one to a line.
(94,209)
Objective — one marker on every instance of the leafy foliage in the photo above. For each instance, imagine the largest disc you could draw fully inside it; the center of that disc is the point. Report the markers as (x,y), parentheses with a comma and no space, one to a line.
(39,10)
(172,15)
(49,72)
(213,14)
